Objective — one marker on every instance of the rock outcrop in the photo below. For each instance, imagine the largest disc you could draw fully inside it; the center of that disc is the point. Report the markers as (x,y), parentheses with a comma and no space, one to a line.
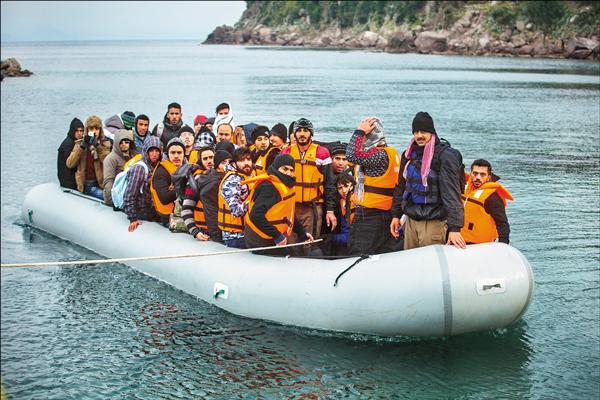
(470,34)
(11,68)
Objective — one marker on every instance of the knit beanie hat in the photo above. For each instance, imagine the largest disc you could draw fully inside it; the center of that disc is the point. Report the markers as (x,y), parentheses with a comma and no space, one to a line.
(260,130)
(220,156)
(128,119)
(338,148)
(175,142)
(423,122)
(225,145)
(281,160)
(200,118)
(304,123)
(210,120)
(186,128)
(280,131)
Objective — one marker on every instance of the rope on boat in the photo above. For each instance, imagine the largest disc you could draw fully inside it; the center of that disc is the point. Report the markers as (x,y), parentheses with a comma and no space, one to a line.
(362,257)
(126,259)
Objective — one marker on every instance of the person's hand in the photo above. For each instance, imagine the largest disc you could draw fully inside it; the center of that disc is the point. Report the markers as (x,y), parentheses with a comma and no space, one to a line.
(367,125)
(331,220)
(309,238)
(457,240)
(134,224)
(281,243)
(89,138)
(394,227)
(201,237)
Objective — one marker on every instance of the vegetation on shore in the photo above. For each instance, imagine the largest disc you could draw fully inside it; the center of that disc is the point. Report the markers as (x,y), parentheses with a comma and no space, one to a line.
(553,18)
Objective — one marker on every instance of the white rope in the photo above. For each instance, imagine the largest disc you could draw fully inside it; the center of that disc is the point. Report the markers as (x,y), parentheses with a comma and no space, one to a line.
(122,260)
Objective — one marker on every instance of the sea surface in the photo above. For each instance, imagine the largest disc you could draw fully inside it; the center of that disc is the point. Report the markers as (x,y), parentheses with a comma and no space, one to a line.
(107,331)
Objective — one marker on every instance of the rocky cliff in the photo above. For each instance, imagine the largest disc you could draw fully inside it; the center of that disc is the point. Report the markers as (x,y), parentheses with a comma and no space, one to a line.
(558,29)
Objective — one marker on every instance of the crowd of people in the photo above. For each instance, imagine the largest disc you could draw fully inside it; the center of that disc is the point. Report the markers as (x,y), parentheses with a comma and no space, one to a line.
(248,186)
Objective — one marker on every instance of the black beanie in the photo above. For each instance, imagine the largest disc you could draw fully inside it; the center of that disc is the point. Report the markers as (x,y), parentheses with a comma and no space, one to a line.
(220,156)
(260,130)
(338,148)
(186,128)
(281,160)
(423,122)
(225,145)
(280,131)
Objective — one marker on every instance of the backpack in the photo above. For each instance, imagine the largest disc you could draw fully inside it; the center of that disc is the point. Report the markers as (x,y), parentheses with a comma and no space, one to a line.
(436,163)
(182,176)
(120,185)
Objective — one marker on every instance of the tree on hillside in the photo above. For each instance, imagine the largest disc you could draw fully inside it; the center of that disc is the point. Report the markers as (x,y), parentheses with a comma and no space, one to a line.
(546,15)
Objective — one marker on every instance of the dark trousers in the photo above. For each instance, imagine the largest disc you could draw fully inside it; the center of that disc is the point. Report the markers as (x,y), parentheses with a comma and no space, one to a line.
(370,233)
(254,241)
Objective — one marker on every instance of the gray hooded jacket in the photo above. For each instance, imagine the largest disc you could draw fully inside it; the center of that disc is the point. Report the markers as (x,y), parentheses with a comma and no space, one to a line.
(113,163)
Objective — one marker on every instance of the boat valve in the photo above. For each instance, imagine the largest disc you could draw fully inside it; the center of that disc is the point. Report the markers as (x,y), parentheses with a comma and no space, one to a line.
(220,290)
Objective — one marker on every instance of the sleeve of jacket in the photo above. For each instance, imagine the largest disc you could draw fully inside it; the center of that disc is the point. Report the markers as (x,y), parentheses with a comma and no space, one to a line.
(135,180)
(374,161)
(271,157)
(187,210)
(266,196)
(299,230)
(450,189)
(495,207)
(104,149)
(162,184)
(330,188)
(109,171)
(73,159)
(399,191)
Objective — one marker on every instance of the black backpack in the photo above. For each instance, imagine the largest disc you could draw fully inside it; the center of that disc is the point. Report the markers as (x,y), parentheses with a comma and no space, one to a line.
(182,176)
(436,163)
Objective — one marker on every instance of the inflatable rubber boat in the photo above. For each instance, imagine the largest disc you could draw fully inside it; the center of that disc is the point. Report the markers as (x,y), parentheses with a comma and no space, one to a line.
(430,291)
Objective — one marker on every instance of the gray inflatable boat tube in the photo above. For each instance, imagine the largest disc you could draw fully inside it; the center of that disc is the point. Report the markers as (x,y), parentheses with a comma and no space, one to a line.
(431,291)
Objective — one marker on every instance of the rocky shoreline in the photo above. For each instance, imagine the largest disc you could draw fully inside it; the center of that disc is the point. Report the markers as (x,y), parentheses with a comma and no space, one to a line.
(11,68)
(467,36)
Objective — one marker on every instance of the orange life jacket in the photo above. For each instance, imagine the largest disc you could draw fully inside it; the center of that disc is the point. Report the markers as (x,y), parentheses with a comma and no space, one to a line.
(479,226)
(199,217)
(164,209)
(193,157)
(281,215)
(351,210)
(309,181)
(379,190)
(260,165)
(226,221)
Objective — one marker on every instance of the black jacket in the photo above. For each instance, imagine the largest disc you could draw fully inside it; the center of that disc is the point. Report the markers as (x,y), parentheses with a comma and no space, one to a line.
(209,194)
(449,165)
(66,176)
(169,131)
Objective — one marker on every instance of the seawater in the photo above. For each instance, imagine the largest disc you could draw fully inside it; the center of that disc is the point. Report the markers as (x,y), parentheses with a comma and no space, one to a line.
(110,332)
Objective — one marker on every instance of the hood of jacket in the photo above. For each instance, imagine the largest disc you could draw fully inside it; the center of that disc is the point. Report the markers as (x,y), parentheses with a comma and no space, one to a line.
(120,135)
(114,122)
(75,123)
(151,142)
